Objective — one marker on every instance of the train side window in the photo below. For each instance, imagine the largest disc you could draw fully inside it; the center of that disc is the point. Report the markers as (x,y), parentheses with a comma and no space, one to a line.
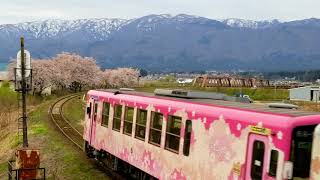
(89,110)
(155,128)
(141,124)
(173,134)
(187,138)
(105,114)
(128,120)
(117,117)
(257,159)
(95,111)
(273,163)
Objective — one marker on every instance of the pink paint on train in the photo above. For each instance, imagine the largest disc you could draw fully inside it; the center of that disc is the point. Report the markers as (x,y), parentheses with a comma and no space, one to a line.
(219,146)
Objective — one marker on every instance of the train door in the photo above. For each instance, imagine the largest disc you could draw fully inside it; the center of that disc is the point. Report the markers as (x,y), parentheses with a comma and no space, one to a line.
(256,162)
(93,120)
(301,151)
(315,157)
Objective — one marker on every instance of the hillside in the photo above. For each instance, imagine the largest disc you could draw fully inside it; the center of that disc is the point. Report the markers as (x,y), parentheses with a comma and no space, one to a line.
(173,43)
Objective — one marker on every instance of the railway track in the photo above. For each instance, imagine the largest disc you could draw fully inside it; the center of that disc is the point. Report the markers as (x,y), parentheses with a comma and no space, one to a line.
(75,136)
(63,124)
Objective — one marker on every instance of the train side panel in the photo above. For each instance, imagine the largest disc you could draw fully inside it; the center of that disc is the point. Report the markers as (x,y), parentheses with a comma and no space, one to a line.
(218,144)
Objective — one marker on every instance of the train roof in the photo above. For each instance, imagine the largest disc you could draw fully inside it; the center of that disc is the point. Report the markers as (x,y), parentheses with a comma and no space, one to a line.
(221,103)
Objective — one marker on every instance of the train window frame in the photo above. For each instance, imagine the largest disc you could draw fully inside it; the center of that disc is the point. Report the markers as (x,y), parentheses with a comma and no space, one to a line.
(89,110)
(116,118)
(187,137)
(273,164)
(153,129)
(128,122)
(140,126)
(172,134)
(95,113)
(253,160)
(105,115)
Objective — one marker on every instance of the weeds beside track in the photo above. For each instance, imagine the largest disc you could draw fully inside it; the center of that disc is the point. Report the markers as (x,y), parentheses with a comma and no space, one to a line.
(63,124)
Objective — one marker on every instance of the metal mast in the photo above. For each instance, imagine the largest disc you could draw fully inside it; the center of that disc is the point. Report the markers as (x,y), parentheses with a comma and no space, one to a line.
(24,92)
(26,165)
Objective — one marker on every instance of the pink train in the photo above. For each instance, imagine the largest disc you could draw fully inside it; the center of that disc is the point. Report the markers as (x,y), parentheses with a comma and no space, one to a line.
(184,137)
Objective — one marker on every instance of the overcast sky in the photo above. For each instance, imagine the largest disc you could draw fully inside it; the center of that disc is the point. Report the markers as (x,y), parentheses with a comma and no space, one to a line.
(13,11)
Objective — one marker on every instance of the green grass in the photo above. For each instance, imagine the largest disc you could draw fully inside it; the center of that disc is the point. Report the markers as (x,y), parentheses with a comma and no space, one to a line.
(258,94)
(38,129)
(61,159)
(3,166)
(73,110)
(8,97)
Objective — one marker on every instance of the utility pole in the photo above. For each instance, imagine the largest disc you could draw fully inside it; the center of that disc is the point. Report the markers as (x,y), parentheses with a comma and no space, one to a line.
(27,160)
(24,92)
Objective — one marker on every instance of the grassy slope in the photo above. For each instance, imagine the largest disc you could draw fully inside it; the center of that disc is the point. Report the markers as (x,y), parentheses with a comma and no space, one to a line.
(61,160)
(73,110)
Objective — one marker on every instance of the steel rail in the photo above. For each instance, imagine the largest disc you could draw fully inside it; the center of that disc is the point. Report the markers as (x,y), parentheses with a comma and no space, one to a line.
(62,123)
(73,134)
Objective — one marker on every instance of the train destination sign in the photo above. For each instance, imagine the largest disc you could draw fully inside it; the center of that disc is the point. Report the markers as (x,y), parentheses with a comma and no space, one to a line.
(260,130)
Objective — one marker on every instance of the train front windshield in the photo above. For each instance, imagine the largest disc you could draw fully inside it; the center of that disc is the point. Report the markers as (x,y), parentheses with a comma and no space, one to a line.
(301,148)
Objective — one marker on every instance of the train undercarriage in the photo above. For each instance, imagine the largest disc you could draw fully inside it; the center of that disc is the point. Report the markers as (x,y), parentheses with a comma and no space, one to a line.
(116,165)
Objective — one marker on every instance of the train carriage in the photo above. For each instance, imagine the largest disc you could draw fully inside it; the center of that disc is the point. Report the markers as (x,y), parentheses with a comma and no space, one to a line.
(182,137)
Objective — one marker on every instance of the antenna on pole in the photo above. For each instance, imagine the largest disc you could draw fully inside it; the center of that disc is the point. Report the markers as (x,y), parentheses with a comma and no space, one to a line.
(27,162)
(23,83)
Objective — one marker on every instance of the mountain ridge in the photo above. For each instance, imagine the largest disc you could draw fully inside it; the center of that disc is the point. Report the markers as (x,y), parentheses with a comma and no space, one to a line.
(115,23)
(187,42)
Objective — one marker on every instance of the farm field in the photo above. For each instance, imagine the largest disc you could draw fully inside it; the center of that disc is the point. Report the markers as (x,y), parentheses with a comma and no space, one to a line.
(258,94)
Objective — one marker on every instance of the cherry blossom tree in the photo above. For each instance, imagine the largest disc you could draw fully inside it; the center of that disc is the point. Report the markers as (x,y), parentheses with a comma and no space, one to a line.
(72,71)
(43,72)
(121,77)
(75,72)
(10,69)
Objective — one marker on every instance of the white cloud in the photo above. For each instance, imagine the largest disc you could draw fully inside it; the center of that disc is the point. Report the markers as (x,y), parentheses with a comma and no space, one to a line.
(27,10)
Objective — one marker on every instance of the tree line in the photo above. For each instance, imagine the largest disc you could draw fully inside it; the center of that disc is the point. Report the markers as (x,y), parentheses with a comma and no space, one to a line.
(309,76)
(306,76)
(69,71)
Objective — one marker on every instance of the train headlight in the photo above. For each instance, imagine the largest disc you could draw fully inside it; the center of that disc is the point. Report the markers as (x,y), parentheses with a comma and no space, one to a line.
(287,170)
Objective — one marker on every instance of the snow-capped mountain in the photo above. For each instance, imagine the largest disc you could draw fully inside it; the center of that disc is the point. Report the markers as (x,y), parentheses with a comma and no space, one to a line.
(151,22)
(99,29)
(172,43)
(242,23)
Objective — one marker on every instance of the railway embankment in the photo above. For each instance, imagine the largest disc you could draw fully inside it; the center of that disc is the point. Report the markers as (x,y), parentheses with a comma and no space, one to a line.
(61,159)
(73,110)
